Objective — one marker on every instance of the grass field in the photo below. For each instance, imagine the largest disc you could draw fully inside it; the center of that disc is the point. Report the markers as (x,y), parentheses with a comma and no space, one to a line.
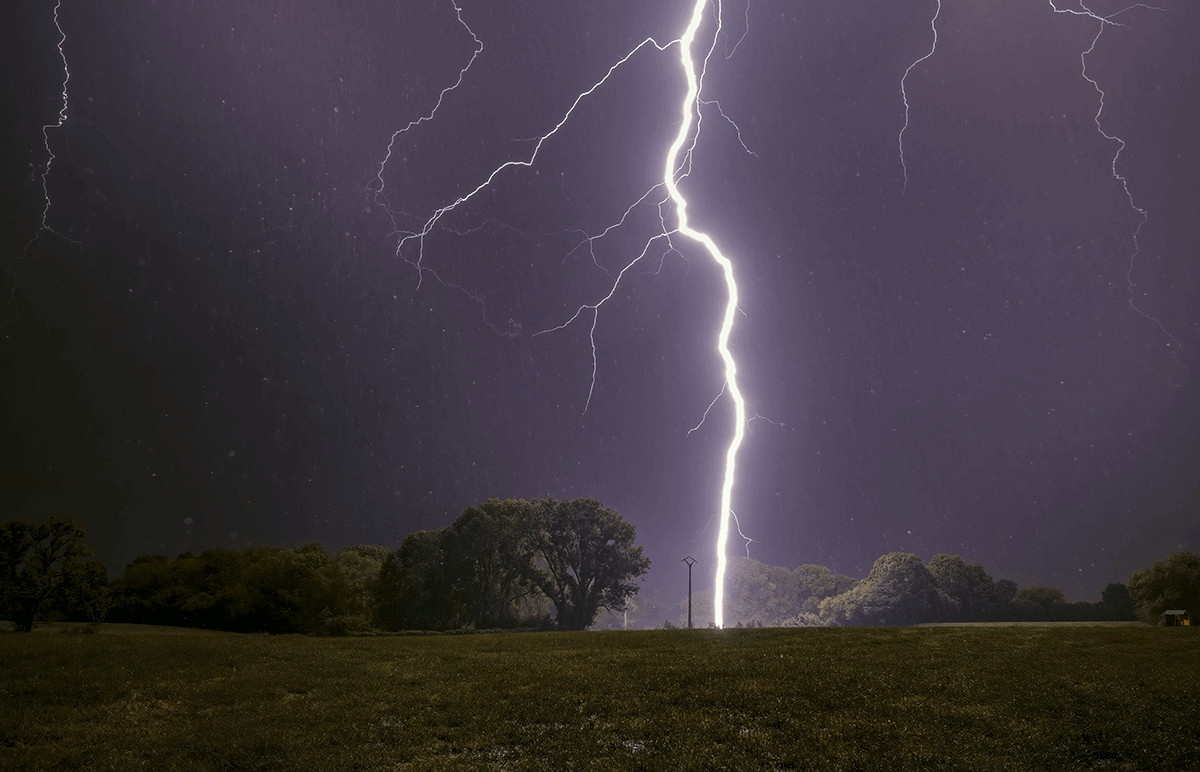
(970,698)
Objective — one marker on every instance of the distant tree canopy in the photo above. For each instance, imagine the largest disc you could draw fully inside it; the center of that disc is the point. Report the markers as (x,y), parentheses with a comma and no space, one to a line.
(1039,600)
(509,563)
(43,566)
(1171,583)
(498,564)
(1117,602)
(900,590)
(965,591)
(266,589)
(759,594)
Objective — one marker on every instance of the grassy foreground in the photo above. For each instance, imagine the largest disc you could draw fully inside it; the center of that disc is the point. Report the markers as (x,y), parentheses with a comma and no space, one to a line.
(982,698)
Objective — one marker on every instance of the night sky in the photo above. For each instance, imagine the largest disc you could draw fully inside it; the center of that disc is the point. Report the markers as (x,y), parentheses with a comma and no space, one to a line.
(214,340)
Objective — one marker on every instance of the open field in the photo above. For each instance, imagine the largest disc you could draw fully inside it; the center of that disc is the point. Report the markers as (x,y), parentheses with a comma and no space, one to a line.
(978,698)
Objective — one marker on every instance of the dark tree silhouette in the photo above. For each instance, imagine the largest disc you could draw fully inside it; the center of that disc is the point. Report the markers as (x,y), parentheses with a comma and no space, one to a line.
(40,562)
(413,591)
(583,558)
(485,554)
(1116,603)
(967,593)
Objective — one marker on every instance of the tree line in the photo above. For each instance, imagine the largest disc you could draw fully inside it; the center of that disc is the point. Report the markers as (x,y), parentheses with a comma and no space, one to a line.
(901,589)
(539,564)
(544,563)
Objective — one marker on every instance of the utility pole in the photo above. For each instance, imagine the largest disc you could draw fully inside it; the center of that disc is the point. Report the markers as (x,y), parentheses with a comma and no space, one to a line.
(691,561)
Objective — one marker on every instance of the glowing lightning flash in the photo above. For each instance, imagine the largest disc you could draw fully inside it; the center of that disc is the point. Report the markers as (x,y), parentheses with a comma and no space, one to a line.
(676,165)
(689,113)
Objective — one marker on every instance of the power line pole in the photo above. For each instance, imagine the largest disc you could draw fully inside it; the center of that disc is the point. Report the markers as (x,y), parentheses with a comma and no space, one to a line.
(691,561)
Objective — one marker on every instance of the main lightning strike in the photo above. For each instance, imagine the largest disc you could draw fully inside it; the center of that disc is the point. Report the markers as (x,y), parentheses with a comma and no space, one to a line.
(676,165)
(678,159)
(689,112)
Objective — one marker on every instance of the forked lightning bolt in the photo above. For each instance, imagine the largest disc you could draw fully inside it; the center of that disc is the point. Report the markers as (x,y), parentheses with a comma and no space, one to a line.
(1104,21)
(666,196)
(1143,215)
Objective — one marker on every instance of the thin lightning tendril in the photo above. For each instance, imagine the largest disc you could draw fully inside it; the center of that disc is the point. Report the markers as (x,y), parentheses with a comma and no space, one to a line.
(1174,344)
(707,102)
(433,220)
(704,417)
(737,523)
(62,117)
(761,417)
(379,197)
(745,32)
(1143,215)
(904,92)
(594,308)
(44,225)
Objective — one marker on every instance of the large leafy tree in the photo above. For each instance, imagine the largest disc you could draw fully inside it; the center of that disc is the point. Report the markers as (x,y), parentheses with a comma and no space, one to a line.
(353,577)
(413,591)
(1170,583)
(83,596)
(285,589)
(967,593)
(485,553)
(1039,603)
(898,591)
(583,558)
(1116,603)
(816,583)
(40,563)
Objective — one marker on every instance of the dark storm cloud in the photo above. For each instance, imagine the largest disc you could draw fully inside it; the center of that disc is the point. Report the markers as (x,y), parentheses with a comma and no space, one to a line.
(223,330)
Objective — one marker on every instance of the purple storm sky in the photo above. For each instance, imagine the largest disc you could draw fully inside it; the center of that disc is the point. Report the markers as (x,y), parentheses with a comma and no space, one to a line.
(218,326)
